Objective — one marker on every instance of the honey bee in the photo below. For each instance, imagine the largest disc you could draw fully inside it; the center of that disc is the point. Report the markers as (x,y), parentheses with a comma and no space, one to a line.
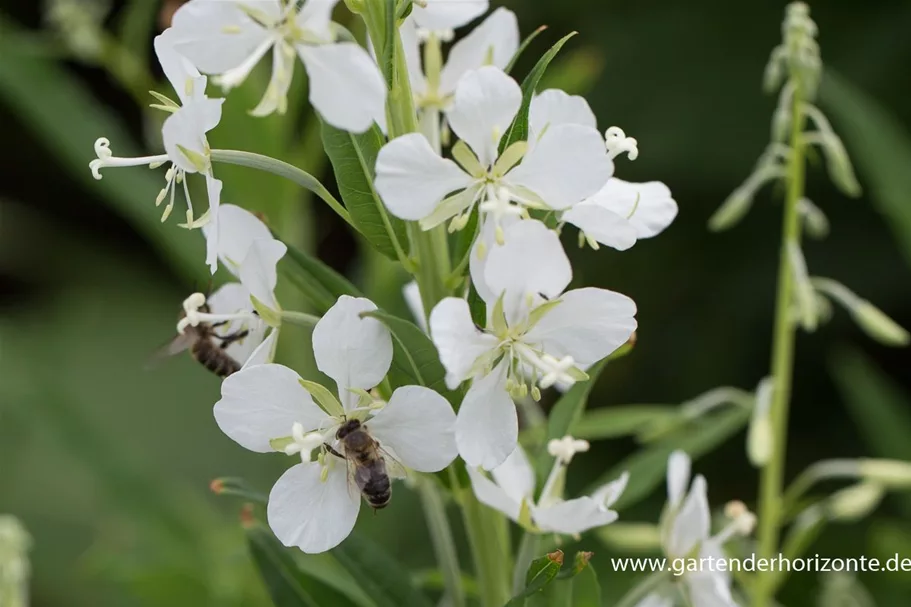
(207,346)
(367,463)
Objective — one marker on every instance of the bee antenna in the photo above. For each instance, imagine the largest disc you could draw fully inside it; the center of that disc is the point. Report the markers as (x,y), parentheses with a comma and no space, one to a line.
(544,297)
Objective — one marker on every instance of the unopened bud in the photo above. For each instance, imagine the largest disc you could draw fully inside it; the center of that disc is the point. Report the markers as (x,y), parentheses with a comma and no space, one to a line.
(877,325)
(814,219)
(631,537)
(891,473)
(855,502)
(732,210)
(760,438)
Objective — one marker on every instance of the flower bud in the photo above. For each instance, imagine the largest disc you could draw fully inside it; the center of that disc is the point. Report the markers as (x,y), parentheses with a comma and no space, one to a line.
(631,537)
(855,502)
(732,210)
(760,438)
(877,325)
(894,474)
(815,220)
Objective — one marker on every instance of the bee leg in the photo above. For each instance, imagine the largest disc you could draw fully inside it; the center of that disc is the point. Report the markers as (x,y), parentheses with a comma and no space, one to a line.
(220,323)
(333,451)
(227,340)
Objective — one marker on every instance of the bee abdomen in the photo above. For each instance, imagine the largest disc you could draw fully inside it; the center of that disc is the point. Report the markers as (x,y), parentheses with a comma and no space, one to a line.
(215,359)
(378,492)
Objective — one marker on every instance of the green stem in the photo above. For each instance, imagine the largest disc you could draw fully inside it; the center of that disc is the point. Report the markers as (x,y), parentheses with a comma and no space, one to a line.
(282,169)
(643,589)
(489,555)
(432,264)
(443,543)
(299,318)
(528,550)
(772,475)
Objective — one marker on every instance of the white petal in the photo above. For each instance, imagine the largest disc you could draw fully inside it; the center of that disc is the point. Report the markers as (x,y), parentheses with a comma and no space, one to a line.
(237,229)
(608,495)
(554,107)
(655,600)
(411,46)
(356,352)
(447,14)
(412,294)
(678,477)
(493,42)
(316,17)
(310,514)
(412,179)
(648,206)
(573,516)
(487,427)
(531,262)
(566,166)
(691,523)
(493,495)
(346,86)
(276,96)
(213,191)
(187,128)
(177,68)
(217,36)
(265,352)
(603,225)
(419,426)
(477,263)
(230,298)
(587,324)
(458,342)
(709,589)
(486,101)
(263,402)
(258,269)
(516,476)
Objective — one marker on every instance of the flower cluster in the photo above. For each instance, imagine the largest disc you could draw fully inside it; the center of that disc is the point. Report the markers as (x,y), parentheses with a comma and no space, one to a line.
(503,167)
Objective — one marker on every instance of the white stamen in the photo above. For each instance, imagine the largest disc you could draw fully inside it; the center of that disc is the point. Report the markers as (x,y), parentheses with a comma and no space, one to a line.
(565,448)
(617,143)
(193,316)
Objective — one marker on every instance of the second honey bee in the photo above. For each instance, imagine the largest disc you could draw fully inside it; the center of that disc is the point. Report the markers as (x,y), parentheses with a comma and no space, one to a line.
(367,462)
(207,346)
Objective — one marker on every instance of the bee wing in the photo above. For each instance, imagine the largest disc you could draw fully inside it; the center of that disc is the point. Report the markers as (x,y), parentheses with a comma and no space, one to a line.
(394,467)
(177,345)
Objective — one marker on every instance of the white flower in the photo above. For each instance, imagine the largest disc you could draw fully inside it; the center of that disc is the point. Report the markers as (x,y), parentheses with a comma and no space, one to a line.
(443,15)
(512,492)
(685,534)
(266,408)
(539,334)
(184,136)
(620,212)
(493,42)
(248,250)
(229,38)
(565,167)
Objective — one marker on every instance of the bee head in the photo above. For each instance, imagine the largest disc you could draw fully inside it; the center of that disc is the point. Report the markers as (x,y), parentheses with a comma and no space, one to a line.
(352,425)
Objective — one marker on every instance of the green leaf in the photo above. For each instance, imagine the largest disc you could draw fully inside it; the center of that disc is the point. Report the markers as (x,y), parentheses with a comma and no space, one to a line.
(353,160)
(541,572)
(415,360)
(624,420)
(565,414)
(880,147)
(289,584)
(384,579)
(522,47)
(320,284)
(647,466)
(518,131)
(586,591)
(477,307)
(878,405)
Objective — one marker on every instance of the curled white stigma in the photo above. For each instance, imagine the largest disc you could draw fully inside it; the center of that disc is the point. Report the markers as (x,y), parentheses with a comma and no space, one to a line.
(105,158)
(565,448)
(302,443)
(617,143)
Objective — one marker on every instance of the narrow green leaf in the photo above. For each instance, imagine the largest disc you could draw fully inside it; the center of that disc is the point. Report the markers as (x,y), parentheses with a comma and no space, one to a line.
(647,466)
(522,47)
(625,420)
(565,414)
(353,159)
(477,306)
(586,591)
(518,131)
(291,585)
(880,408)
(541,572)
(415,360)
(320,284)
(880,147)
(384,579)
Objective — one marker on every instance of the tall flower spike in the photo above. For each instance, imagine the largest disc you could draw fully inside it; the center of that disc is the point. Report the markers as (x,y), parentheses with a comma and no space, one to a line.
(229,38)
(539,334)
(268,408)
(184,137)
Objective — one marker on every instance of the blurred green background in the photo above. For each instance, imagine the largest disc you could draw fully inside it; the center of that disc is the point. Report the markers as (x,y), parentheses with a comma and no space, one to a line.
(108,463)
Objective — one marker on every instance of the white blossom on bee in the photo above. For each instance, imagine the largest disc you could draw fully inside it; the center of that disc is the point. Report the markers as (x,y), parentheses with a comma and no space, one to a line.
(536,336)
(229,38)
(269,408)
